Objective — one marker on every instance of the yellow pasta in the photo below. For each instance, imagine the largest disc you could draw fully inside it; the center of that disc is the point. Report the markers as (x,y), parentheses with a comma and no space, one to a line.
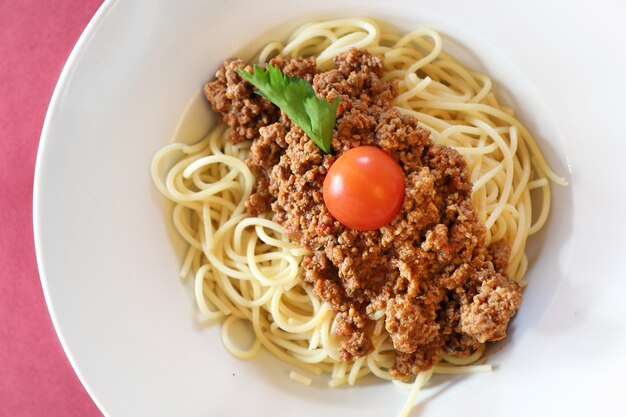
(244,268)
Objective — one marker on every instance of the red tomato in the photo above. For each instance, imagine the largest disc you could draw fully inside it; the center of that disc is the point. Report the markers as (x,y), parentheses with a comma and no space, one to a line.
(364,188)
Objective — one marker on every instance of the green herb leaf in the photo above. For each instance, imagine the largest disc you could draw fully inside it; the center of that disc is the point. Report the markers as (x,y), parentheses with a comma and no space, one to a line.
(296,97)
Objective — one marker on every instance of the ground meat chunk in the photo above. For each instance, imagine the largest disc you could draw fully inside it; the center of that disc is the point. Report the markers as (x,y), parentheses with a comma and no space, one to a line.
(357,345)
(457,278)
(357,82)
(429,271)
(360,61)
(413,363)
(296,67)
(460,344)
(264,154)
(500,252)
(267,149)
(420,202)
(436,238)
(323,277)
(486,318)
(343,325)
(232,97)
(259,202)
(410,324)
(455,342)
(400,136)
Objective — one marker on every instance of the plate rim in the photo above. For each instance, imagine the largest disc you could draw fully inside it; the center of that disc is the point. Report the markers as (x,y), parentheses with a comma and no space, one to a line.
(56,101)
(61,85)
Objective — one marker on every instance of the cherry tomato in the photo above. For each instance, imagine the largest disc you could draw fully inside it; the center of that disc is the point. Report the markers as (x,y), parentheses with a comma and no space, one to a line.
(364,188)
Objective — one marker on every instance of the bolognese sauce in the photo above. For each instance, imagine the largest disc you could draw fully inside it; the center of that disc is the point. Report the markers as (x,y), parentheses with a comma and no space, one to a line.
(428,272)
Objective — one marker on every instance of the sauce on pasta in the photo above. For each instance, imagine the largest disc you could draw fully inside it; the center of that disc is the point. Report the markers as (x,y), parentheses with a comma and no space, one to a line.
(246,267)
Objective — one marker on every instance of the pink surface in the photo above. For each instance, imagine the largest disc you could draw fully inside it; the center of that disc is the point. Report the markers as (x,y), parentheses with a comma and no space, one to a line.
(36,38)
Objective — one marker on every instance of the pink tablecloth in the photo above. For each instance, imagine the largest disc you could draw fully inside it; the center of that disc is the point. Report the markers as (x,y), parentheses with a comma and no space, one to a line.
(36,38)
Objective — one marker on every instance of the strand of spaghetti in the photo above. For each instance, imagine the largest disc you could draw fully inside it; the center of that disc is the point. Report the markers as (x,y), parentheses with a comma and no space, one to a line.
(467,360)
(412,91)
(203,180)
(213,297)
(315,339)
(181,223)
(279,279)
(541,182)
(208,226)
(520,239)
(186,267)
(376,369)
(543,214)
(354,372)
(259,223)
(258,331)
(166,151)
(226,285)
(508,151)
(433,51)
(515,231)
(276,330)
(420,380)
(327,338)
(302,353)
(438,91)
(455,75)
(433,124)
(220,266)
(304,296)
(300,378)
(336,382)
(480,182)
(478,150)
(521,271)
(545,207)
(201,300)
(525,167)
(268,51)
(236,163)
(313,322)
(234,350)
(372,34)
(485,89)
(504,117)
(173,179)
(306,37)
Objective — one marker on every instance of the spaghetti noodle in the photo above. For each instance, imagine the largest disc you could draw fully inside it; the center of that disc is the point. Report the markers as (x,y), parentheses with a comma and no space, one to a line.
(245,268)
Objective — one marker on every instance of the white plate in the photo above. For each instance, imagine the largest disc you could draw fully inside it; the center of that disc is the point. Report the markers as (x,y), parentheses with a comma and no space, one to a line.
(109,268)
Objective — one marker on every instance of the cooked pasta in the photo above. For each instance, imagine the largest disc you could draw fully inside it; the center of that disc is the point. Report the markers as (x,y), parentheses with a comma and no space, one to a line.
(245,268)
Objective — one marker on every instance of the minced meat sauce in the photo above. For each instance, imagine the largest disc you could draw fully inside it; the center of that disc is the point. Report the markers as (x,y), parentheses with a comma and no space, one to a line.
(429,270)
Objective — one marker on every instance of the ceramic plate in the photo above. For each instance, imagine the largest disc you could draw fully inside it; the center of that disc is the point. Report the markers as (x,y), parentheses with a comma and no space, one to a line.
(109,263)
